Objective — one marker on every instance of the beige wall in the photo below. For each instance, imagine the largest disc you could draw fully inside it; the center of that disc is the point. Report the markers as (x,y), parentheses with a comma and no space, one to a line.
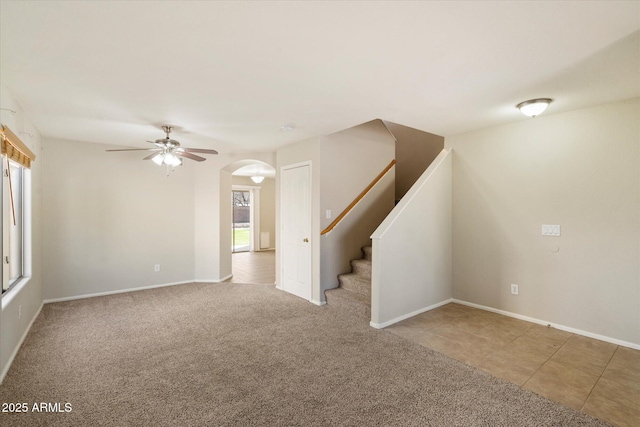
(580,170)
(415,150)
(268,209)
(412,249)
(110,217)
(349,161)
(27,298)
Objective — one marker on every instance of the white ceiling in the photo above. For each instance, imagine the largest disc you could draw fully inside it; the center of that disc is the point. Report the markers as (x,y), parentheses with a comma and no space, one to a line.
(229,75)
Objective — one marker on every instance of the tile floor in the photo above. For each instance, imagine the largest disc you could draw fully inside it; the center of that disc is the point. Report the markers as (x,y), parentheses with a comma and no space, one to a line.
(253,267)
(595,377)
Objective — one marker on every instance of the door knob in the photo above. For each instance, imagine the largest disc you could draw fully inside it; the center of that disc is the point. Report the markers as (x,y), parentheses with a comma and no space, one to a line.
(305,240)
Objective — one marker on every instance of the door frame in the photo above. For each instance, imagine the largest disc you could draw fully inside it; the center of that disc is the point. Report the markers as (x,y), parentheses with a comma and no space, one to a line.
(280,284)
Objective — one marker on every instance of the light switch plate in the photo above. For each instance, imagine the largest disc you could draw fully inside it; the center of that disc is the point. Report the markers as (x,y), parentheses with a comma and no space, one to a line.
(550,230)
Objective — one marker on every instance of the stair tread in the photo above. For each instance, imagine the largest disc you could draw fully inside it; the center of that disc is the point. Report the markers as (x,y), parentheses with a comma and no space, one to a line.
(351,295)
(355,283)
(354,290)
(355,276)
(354,302)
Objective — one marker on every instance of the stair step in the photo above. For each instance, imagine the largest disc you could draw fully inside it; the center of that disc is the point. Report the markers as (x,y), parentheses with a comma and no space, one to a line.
(349,301)
(361,267)
(354,292)
(356,283)
(366,250)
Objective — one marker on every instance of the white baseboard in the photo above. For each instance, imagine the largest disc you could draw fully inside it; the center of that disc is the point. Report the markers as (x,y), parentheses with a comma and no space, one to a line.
(553,325)
(408,315)
(213,280)
(15,350)
(119,291)
(316,302)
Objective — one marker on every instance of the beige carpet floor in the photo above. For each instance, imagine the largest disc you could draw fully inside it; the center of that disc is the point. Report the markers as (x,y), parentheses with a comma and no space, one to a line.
(248,355)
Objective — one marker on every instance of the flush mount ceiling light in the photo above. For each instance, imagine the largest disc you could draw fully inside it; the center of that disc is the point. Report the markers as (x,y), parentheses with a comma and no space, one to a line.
(257,179)
(287,128)
(534,107)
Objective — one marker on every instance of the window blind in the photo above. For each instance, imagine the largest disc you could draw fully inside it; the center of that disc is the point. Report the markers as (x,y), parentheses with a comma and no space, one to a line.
(15,149)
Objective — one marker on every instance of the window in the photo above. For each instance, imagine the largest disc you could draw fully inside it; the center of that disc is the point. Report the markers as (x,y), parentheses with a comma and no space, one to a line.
(16,159)
(13,231)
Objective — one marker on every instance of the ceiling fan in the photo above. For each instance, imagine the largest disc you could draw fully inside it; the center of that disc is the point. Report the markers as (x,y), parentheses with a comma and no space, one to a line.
(169,152)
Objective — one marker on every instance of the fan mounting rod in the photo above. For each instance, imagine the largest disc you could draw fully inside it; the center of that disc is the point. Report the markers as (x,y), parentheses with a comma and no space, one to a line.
(167,130)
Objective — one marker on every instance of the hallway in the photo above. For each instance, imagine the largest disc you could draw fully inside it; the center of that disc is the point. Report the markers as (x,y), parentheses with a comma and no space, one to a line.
(254,267)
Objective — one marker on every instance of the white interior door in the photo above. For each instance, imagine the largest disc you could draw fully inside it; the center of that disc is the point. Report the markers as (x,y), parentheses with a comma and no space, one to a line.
(296,230)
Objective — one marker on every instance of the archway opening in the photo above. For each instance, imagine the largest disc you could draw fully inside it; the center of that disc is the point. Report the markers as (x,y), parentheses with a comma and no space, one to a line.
(252,228)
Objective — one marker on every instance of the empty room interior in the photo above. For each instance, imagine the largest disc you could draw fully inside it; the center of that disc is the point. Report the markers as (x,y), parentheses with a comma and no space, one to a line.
(320,213)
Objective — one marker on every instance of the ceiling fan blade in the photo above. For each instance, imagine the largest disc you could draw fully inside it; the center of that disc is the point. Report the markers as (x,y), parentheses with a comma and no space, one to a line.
(189,156)
(152,155)
(199,150)
(133,149)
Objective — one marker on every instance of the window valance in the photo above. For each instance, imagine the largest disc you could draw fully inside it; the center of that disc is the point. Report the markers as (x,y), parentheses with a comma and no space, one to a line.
(15,149)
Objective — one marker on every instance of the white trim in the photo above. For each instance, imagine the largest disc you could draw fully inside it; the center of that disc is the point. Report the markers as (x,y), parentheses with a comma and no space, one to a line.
(316,302)
(213,280)
(119,291)
(141,288)
(553,325)
(408,315)
(244,187)
(5,370)
(295,165)
(13,291)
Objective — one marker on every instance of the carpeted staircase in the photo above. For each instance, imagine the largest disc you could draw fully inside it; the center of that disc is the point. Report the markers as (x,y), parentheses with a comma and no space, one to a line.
(354,292)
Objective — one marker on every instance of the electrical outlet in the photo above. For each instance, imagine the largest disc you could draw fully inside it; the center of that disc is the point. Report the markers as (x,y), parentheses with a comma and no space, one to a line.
(19,312)
(156,268)
(514,289)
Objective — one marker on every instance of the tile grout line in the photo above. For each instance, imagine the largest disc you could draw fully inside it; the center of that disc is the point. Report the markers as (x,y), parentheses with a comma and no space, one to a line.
(598,380)
(549,358)
(494,323)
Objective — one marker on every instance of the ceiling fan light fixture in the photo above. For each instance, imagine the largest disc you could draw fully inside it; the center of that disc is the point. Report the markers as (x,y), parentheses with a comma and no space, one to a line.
(534,107)
(168,151)
(257,179)
(172,160)
(158,159)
